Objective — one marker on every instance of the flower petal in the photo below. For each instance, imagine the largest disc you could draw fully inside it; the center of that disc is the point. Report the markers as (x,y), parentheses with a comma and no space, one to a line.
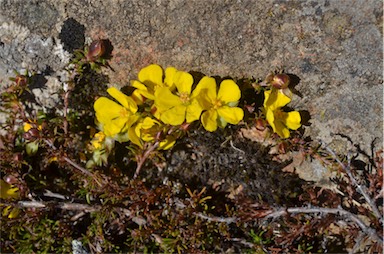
(137,84)
(231,115)
(229,91)
(165,99)
(281,130)
(141,92)
(149,123)
(174,115)
(106,110)
(114,127)
(133,137)
(167,143)
(270,118)
(169,79)
(277,124)
(292,120)
(7,191)
(205,92)
(275,99)
(123,99)
(14,213)
(209,120)
(151,76)
(193,111)
(184,82)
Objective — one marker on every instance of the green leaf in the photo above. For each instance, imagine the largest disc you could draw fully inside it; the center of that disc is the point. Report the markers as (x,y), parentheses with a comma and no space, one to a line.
(32,148)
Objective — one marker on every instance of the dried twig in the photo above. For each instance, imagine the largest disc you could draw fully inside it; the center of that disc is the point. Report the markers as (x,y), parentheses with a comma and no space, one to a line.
(228,220)
(338,211)
(360,188)
(72,163)
(143,157)
(59,205)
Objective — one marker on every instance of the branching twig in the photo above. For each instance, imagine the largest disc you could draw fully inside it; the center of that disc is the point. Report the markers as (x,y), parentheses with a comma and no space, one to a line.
(338,211)
(360,188)
(143,157)
(59,205)
(72,163)
(228,220)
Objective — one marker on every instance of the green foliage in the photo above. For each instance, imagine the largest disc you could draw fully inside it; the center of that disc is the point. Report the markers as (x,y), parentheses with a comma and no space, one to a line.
(79,181)
(41,235)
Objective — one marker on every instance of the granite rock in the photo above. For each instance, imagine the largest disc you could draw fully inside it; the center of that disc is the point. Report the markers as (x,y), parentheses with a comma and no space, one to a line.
(334,47)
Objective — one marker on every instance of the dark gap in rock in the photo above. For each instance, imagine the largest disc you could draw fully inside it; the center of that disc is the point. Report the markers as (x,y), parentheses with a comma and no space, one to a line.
(72,35)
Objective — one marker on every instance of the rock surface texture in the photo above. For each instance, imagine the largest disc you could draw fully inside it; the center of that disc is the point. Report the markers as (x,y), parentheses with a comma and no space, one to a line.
(335,47)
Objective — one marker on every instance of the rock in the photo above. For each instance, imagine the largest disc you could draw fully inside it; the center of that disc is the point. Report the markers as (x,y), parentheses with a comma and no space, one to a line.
(334,47)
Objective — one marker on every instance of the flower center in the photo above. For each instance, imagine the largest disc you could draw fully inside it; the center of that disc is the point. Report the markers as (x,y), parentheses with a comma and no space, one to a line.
(217,104)
(278,114)
(124,113)
(184,97)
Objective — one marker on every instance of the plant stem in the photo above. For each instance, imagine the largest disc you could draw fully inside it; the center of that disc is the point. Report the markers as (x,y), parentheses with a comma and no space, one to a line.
(360,188)
(72,163)
(367,230)
(141,159)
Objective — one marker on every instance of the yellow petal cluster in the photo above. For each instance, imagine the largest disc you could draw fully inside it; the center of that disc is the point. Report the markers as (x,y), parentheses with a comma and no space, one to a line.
(98,140)
(114,117)
(219,108)
(161,100)
(176,107)
(7,191)
(280,121)
(150,78)
(150,130)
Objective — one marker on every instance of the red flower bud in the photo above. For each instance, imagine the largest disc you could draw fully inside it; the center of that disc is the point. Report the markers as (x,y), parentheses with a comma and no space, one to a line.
(96,50)
(21,80)
(32,134)
(17,157)
(279,81)
(260,124)
(10,179)
(184,126)
(283,146)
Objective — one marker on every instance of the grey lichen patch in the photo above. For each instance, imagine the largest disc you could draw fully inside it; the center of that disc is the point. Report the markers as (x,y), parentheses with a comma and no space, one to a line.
(47,96)
(21,49)
(38,16)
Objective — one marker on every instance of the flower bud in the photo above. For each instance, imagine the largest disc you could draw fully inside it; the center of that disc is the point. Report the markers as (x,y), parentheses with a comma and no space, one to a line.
(260,124)
(96,50)
(17,157)
(32,134)
(279,81)
(185,126)
(21,80)
(10,179)
(283,148)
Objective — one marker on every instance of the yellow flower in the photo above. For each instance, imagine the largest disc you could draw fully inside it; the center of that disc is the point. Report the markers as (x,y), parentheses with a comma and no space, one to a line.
(173,108)
(7,191)
(148,130)
(27,127)
(115,118)
(150,78)
(31,124)
(221,106)
(98,140)
(11,214)
(280,121)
